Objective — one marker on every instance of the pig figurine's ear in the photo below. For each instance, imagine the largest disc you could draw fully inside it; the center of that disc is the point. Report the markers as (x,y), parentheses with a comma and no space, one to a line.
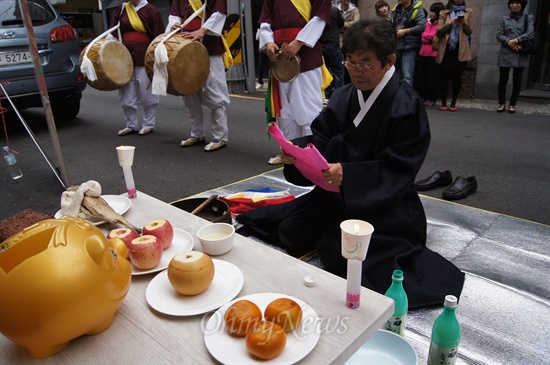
(100,252)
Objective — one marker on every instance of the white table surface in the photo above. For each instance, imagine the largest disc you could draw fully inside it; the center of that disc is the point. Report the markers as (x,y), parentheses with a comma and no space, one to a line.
(139,334)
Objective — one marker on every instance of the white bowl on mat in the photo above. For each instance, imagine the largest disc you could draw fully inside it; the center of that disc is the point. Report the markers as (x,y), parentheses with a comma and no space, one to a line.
(385,348)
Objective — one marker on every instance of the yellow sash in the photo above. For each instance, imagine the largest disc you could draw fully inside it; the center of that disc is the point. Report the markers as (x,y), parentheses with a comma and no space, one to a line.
(304,8)
(227,57)
(135,20)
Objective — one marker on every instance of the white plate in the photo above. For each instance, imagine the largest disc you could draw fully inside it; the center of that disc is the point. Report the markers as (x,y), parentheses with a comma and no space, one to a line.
(385,347)
(120,204)
(228,282)
(229,349)
(181,242)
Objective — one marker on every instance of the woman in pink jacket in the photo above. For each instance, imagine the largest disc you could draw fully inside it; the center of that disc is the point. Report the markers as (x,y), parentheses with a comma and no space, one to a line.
(426,79)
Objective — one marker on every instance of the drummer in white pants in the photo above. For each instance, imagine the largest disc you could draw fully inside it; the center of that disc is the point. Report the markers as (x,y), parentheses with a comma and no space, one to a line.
(134,94)
(214,94)
(140,23)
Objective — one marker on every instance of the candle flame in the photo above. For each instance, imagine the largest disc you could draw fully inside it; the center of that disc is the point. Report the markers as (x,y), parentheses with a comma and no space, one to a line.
(356,228)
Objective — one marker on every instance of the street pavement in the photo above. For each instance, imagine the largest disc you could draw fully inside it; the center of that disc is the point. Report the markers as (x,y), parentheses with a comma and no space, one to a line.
(509,154)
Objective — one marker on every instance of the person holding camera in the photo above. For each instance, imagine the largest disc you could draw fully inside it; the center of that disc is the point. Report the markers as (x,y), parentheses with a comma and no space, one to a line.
(454,30)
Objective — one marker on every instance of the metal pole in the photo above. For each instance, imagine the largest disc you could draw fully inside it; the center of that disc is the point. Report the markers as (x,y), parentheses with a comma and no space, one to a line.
(33,137)
(249,38)
(43,88)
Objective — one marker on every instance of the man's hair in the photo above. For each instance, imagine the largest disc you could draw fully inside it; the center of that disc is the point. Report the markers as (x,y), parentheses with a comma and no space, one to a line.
(522,2)
(376,35)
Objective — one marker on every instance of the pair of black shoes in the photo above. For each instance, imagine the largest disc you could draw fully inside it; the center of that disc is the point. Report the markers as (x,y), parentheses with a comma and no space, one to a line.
(458,189)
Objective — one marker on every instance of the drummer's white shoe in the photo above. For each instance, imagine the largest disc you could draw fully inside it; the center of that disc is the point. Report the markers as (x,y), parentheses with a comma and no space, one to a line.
(214,145)
(145,131)
(125,132)
(191,141)
(277,160)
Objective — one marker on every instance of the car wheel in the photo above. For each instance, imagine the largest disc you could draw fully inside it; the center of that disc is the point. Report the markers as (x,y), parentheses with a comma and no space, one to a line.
(66,110)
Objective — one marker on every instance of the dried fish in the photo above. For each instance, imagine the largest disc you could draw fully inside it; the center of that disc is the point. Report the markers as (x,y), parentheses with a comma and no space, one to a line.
(97,207)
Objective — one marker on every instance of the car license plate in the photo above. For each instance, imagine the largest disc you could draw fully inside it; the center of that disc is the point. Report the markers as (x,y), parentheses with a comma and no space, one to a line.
(12,58)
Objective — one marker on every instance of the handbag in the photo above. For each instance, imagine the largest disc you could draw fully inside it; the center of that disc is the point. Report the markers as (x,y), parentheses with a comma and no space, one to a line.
(435,43)
(530,46)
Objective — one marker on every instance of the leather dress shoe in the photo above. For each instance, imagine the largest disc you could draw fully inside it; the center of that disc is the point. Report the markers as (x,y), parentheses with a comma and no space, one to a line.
(460,188)
(437,179)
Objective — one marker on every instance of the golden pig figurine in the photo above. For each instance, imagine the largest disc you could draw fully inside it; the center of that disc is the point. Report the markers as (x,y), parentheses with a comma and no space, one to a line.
(60,279)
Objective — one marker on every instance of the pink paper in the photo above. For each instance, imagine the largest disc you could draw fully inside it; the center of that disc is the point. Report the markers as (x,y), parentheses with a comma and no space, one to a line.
(309,160)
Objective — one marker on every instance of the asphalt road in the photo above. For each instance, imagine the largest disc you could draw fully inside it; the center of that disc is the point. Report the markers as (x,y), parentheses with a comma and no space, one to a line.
(508,154)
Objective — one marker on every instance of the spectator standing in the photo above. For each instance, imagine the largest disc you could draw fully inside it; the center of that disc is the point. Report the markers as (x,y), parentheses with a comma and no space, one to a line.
(382,9)
(332,54)
(286,22)
(214,94)
(409,20)
(351,16)
(140,24)
(454,29)
(514,28)
(426,79)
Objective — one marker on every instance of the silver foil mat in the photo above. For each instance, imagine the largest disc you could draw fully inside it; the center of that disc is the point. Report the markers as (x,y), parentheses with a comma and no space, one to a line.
(504,310)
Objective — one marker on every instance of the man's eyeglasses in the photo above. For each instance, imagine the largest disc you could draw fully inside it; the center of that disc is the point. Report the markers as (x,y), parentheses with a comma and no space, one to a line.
(360,66)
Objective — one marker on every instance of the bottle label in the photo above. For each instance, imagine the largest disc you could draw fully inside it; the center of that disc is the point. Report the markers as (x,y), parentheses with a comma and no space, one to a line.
(442,355)
(10,159)
(396,324)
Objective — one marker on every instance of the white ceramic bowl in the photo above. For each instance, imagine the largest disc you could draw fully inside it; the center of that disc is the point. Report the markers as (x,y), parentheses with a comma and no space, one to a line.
(216,238)
(385,348)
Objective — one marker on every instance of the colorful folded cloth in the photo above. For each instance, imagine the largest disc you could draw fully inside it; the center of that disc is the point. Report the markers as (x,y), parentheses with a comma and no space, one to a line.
(251,199)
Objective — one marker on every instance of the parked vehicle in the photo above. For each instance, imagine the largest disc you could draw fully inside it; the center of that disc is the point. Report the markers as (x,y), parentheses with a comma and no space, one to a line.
(59,53)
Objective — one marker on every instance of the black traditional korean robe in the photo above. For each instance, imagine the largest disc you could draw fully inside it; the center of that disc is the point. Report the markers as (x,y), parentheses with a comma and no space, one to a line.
(380,159)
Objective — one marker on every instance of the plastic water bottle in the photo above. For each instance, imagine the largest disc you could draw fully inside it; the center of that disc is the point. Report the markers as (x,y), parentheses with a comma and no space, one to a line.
(15,172)
(396,323)
(445,335)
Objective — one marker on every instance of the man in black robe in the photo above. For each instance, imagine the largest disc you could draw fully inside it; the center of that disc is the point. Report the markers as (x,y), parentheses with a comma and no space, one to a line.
(375,135)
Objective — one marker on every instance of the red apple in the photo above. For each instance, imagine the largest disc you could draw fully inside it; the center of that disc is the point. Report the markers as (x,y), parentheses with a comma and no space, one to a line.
(145,252)
(125,234)
(161,229)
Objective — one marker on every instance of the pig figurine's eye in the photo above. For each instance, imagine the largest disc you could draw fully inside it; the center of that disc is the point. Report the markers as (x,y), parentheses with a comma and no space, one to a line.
(113,253)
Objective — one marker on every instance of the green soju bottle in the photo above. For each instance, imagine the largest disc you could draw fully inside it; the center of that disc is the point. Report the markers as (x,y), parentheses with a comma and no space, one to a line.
(445,335)
(396,323)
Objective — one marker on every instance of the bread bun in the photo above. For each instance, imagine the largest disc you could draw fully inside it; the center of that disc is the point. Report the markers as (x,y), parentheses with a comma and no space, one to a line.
(285,312)
(266,340)
(241,316)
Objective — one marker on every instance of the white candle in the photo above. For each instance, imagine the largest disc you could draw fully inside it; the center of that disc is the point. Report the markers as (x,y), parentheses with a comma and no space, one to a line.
(356,236)
(353,289)
(129,179)
(126,160)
